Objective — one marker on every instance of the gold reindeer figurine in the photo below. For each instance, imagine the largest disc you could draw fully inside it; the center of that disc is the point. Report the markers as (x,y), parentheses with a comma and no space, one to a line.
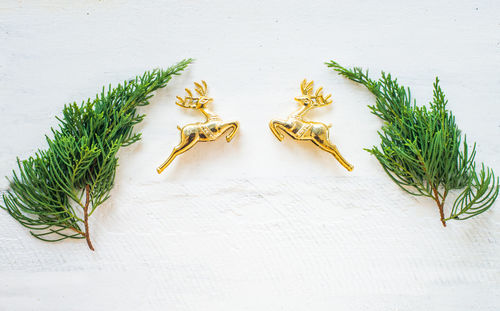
(210,130)
(300,129)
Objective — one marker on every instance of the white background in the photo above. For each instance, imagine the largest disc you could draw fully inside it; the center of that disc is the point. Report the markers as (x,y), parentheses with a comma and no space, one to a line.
(254,224)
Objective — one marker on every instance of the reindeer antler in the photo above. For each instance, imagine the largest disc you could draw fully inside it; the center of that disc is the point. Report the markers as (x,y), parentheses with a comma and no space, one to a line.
(190,101)
(201,90)
(187,101)
(320,99)
(307,88)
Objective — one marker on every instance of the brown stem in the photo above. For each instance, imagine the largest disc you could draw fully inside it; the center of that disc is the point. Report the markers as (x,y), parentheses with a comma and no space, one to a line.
(440,205)
(441,213)
(86,216)
(77,231)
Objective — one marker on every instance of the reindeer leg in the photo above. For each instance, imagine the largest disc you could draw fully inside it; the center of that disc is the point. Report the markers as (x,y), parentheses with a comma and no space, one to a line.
(181,148)
(274,128)
(332,149)
(234,126)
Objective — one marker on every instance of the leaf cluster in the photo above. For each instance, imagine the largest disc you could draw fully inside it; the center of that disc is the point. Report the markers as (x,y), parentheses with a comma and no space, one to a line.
(422,149)
(54,191)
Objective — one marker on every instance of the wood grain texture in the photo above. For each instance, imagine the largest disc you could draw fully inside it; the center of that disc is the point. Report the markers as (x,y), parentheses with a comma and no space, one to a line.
(282,226)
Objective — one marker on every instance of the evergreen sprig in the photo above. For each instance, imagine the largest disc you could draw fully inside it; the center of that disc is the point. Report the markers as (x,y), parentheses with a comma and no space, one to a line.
(54,192)
(422,149)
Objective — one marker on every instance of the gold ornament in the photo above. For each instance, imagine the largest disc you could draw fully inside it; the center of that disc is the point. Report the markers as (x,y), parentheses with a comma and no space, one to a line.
(300,129)
(210,130)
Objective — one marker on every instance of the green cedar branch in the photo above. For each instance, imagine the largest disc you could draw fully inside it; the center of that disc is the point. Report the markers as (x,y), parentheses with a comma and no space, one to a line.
(54,192)
(422,149)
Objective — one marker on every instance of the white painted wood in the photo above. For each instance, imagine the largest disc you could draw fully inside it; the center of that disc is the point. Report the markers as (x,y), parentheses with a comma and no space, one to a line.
(254,224)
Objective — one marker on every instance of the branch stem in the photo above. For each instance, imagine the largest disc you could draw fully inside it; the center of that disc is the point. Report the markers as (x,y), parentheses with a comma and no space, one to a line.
(86,217)
(77,231)
(440,204)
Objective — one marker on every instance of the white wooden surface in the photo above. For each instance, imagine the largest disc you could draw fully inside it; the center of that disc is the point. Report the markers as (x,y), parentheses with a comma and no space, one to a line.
(254,224)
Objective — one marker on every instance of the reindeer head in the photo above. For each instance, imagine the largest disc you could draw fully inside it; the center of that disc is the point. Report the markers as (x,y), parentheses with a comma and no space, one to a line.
(311,99)
(190,101)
